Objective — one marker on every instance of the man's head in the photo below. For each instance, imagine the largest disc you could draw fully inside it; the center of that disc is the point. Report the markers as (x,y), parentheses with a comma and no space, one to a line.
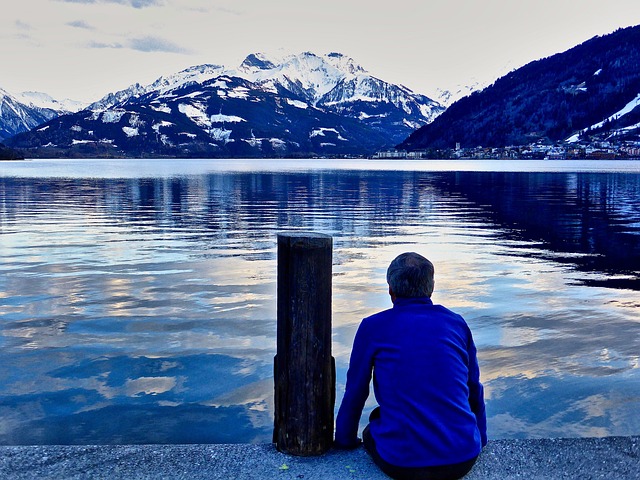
(410,275)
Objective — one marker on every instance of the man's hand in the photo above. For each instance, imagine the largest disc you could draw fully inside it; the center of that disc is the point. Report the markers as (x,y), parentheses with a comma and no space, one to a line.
(350,446)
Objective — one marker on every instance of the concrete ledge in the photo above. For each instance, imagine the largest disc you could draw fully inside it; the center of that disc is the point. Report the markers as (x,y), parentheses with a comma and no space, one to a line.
(586,458)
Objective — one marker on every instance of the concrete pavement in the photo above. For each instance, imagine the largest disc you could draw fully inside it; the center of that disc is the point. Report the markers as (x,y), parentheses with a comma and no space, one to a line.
(584,458)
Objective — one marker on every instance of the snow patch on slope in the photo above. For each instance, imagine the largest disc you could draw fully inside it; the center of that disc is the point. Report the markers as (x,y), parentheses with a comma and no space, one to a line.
(321,132)
(130,131)
(628,108)
(112,116)
(196,113)
(220,118)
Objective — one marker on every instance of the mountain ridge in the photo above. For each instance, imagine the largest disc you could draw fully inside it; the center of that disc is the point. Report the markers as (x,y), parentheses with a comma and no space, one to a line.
(26,110)
(299,105)
(581,95)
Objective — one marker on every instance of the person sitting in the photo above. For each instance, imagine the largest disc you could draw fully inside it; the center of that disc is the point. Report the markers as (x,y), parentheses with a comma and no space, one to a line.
(431,421)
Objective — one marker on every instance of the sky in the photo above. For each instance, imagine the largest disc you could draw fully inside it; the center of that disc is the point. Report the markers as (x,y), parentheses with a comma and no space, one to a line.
(84,49)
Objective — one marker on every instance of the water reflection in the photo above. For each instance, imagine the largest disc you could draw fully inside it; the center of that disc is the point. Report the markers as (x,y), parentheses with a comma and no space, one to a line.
(153,298)
(591,221)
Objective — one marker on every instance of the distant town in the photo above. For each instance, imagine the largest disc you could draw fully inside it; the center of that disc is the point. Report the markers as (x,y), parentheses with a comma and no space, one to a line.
(602,150)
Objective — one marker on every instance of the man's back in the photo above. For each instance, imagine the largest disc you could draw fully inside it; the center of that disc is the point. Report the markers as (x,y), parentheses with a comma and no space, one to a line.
(426,381)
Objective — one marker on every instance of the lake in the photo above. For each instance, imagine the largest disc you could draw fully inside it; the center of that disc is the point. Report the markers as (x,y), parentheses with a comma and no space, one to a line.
(138,297)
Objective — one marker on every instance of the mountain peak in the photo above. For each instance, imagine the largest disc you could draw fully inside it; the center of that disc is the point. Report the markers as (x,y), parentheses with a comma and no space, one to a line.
(302,104)
(256,61)
(344,63)
(44,100)
(16,116)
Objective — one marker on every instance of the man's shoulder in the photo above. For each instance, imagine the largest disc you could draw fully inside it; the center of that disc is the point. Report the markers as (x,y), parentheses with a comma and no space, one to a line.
(446,311)
(381,315)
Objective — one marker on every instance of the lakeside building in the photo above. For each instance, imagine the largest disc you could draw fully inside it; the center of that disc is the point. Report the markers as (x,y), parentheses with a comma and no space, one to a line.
(538,151)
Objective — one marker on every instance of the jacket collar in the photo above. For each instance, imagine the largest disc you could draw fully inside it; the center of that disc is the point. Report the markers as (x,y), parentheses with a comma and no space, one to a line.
(400,301)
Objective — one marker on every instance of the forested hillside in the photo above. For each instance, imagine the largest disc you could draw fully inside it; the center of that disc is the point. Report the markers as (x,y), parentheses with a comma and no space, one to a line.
(583,91)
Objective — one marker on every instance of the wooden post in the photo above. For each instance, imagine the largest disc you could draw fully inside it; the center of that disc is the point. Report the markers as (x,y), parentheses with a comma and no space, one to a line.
(304,370)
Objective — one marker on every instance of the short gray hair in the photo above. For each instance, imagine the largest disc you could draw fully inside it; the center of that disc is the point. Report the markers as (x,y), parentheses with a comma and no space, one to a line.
(410,275)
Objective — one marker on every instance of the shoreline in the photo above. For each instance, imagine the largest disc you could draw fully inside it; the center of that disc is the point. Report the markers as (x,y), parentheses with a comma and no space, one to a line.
(607,457)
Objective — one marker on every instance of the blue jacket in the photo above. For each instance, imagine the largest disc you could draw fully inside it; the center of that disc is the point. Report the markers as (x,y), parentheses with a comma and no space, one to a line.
(426,380)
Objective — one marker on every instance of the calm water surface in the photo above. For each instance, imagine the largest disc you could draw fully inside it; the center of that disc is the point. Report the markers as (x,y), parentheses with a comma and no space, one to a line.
(137,298)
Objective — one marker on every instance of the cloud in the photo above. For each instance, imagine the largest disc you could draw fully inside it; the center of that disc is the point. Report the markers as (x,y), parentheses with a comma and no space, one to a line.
(130,3)
(22,25)
(105,45)
(80,24)
(156,44)
(147,44)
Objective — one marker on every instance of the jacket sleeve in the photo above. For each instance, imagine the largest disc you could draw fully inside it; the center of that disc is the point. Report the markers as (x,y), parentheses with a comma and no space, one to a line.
(356,391)
(476,391)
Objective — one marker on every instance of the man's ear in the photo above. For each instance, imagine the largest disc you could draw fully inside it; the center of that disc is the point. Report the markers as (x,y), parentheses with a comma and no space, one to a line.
(392,295)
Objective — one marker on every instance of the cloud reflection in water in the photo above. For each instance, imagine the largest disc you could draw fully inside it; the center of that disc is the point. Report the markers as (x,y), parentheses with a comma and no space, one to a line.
(153,299)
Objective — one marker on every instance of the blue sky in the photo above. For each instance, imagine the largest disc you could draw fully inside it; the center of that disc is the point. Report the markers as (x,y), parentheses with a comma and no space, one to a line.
(83,49)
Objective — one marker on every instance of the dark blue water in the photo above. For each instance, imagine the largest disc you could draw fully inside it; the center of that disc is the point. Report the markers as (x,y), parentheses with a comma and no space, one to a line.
(137,299)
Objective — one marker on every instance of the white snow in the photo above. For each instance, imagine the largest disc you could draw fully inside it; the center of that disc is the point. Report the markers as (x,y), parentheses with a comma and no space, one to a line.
(447,97)
(43,100)
(413,125)
(317,75)
(192,95)
(135,121)
(626,109)
(269,86)
(278,143)
(95,115)
(76,128)
(427,112)
(80,142)
(573,138)
(43,129)
(321,132)
(163,108)
(297,103)
(112,116)
(196,112)
(190,135)
(220,118)
(631,127)
(156,126)
(220,134)
(220,84)
(364,116)
(130,131)
(239,92)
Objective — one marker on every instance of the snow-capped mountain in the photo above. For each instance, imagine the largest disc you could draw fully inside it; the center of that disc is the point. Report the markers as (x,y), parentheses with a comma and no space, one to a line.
(297,105)
(44,100)
(16,117)
(24,111)
(192,75)
(447,97)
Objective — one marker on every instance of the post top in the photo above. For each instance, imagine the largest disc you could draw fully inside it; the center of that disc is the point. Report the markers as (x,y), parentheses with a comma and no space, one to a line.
(303,235)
